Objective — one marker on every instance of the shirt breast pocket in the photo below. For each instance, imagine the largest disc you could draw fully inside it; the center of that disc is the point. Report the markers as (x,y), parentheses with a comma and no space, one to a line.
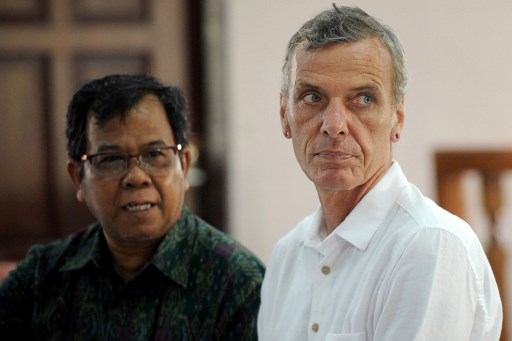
(346,337)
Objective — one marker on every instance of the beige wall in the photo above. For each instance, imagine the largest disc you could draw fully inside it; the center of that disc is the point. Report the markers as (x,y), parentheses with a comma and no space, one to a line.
(459,95)
(459,55)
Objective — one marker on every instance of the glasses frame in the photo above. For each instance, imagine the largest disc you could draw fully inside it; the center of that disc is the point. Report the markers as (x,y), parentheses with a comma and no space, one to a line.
(89,157)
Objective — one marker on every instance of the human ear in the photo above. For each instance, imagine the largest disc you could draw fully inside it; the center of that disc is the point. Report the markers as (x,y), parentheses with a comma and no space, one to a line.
(185,165)
(285,126)
(74,173)
(398,122)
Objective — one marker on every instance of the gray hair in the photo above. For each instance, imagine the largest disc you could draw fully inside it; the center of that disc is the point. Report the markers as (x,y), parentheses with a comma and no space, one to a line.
(347,25)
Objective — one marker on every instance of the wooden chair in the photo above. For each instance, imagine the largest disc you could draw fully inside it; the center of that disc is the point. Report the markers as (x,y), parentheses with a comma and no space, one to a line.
(5,267)
(489,165)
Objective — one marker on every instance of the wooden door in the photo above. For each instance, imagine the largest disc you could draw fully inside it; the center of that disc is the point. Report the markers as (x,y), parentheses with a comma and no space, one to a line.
(48,48)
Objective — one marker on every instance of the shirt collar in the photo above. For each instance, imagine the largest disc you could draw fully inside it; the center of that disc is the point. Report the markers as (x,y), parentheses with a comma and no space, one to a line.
(175,252)
(364,220)
(172,256)
(360,225)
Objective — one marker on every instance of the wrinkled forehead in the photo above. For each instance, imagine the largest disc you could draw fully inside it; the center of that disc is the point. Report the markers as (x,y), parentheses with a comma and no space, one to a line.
(365,57)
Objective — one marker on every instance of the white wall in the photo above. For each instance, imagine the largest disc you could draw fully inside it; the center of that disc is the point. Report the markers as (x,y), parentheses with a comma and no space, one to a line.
(460,65)
(459,56)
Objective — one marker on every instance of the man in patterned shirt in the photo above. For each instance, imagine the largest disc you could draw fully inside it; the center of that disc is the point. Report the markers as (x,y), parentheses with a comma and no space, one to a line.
(149,269)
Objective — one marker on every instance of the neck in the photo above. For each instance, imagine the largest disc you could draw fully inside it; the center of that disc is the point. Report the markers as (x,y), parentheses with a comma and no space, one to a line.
(337,205)
(129,257)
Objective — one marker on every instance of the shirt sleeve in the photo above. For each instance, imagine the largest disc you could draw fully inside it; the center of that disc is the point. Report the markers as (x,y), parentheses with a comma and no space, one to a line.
(238,318)
(439,290)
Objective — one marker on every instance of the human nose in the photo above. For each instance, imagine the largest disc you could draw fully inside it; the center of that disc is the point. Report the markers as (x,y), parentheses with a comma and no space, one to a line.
(130,157)
(136,175)
(334,120)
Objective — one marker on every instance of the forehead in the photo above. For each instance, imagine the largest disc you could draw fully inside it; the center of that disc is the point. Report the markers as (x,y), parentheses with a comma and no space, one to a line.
(145,121)
(365,61)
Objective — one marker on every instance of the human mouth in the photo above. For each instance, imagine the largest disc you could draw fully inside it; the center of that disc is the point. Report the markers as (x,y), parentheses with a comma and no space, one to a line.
(334,154)
(133,207)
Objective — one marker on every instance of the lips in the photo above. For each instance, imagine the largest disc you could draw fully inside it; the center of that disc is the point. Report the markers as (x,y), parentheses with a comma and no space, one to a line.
(138,207)
(331,153)
(334,154)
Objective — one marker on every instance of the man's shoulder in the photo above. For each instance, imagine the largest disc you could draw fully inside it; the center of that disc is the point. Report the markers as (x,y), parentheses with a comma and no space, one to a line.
(52,254)
(428,214)
(71,241)
(424,218)
(224,249)
(44,261)
(290,243)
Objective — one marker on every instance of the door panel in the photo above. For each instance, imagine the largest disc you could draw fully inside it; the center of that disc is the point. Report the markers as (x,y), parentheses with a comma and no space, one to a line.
(47,50)
(25,151)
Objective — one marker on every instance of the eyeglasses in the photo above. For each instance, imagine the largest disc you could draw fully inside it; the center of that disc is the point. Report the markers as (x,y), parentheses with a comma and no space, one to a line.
(153,161)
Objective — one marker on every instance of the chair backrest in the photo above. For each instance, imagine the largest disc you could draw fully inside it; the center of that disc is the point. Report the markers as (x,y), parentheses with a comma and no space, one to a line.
(490,165)
(5,268)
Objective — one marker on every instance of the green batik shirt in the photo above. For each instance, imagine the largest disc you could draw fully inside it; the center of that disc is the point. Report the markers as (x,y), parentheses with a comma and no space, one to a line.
(199,285)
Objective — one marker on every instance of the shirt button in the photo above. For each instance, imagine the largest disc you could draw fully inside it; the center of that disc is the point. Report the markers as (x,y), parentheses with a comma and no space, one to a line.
(326,270)
(315,327)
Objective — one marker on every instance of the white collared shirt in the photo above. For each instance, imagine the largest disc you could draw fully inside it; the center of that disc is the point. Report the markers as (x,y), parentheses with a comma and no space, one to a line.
(398,268)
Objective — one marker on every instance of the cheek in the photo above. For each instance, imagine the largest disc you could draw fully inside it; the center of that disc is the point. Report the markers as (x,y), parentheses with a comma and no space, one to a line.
(304,119)
(375,130)
(173,192)
(305,134)
(100,195)
(305,128)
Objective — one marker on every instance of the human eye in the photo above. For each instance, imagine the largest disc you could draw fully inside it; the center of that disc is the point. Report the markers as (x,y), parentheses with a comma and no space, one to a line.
(311,98)
(109,159)
(153,154)
(158,157)
(364,100)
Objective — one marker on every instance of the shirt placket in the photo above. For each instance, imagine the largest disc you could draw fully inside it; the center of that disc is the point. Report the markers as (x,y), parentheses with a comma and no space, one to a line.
(322,289)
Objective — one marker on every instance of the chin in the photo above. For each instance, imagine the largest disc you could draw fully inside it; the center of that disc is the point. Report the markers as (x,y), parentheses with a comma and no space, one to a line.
(335,182)
(137,236)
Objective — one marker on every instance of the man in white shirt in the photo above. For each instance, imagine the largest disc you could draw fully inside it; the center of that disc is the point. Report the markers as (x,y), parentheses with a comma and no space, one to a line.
(377,260)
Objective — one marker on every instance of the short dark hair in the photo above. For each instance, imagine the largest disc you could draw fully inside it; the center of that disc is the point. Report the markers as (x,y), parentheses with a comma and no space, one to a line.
(344,24)
(115,95)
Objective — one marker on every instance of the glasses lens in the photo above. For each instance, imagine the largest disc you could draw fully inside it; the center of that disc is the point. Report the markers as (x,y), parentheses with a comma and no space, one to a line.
(154,161)
(109,164)
(157,160)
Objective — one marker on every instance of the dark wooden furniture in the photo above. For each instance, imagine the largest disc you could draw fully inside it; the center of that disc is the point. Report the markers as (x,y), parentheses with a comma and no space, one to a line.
(490,165)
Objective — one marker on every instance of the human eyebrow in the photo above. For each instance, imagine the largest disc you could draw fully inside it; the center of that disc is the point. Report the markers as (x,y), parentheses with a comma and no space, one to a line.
(106,148)
(113,148)
(157,143)
(154,144)
(371,88)
(301,85)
